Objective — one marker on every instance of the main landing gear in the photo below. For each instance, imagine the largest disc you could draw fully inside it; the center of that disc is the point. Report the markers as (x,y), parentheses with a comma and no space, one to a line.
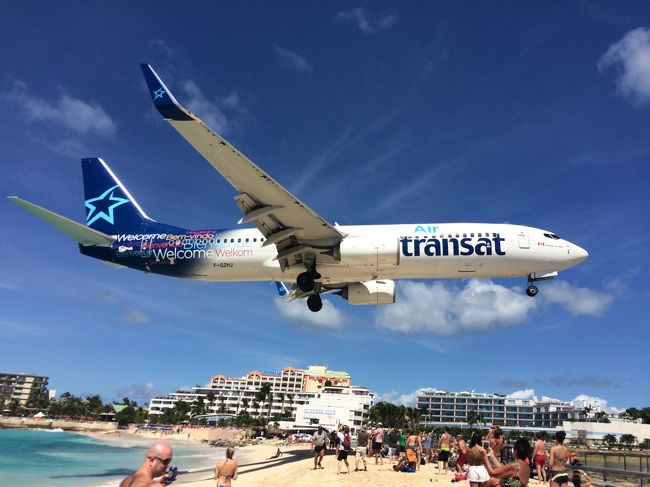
(314,303)
(306,282)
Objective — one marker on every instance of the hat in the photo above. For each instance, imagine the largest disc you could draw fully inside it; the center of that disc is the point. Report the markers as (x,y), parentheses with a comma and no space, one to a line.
(379,424)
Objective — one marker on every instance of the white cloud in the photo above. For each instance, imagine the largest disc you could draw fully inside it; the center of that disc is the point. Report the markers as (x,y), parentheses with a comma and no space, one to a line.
(77,115)
(293,60)
(631,58)
(447,309)
(134,316)
(523,394)
(394,397)
(206,109)
(576,300)
(367,23)
(595,403)
(297,313)
(138,392)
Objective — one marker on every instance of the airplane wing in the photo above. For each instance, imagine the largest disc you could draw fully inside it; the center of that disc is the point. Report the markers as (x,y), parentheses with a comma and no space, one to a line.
(76,231)
(299,233)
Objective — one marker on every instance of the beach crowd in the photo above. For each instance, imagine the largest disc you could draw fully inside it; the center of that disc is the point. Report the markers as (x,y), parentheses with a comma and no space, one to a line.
(484,461)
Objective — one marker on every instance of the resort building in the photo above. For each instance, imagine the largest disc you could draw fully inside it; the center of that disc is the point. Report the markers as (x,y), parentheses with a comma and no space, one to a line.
(441,408)
(293,391)
(20,386)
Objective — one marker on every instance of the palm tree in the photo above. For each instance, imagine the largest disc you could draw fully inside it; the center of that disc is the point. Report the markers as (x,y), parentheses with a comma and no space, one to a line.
(472,418)
(210,397)
(256,406)
(245,402)
(263,395)
(290,397)
(281,396)
(222,404)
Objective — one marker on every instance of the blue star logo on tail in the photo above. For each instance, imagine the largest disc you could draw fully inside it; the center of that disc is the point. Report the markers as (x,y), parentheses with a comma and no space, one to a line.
(158,93)
(103,206)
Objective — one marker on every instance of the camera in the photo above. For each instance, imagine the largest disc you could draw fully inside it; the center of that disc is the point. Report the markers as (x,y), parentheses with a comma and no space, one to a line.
(170,475)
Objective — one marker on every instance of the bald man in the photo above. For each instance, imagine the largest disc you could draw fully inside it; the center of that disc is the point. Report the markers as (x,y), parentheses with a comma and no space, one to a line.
(156,461)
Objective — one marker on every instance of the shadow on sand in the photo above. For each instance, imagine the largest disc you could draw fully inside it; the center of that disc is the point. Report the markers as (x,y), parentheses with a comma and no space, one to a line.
(286,458)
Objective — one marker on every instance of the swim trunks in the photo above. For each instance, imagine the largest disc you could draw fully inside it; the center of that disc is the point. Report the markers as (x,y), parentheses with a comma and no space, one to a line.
(540,459)
(559,477)
(443,455)
(477,473)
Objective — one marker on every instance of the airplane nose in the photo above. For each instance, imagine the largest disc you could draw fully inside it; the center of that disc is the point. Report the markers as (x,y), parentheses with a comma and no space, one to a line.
(578,254)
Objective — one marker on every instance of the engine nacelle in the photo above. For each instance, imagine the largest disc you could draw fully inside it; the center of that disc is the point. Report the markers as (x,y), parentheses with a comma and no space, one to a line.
(377,252)
(370,292)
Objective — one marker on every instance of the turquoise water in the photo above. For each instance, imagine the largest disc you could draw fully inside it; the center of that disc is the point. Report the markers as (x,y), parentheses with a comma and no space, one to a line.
(43,458)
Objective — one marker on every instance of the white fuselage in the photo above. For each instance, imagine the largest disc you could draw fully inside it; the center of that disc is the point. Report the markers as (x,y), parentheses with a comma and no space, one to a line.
(445,250)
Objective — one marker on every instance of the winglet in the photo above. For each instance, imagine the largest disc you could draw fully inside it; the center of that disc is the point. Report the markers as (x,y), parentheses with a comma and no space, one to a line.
(162,98)
(282,288)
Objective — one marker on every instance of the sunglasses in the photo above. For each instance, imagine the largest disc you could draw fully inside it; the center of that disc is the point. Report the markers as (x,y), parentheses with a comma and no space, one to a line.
(165,462)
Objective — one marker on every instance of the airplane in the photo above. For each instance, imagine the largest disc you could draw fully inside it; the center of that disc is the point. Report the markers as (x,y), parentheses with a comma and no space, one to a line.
(289,241)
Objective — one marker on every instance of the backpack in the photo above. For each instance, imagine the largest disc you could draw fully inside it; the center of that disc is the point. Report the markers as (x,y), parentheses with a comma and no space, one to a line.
(346,441)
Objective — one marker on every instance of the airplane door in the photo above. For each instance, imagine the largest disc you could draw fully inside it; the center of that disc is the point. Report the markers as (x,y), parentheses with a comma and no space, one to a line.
(524,242)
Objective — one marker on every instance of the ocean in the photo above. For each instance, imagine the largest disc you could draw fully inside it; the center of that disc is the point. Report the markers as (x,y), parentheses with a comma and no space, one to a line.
(44,458)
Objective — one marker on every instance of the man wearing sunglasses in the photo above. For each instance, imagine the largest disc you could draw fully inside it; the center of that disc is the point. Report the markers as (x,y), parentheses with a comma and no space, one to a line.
(155,464)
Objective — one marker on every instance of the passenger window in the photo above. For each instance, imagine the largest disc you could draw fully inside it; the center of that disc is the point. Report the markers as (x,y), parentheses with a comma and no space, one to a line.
(218,240)
(471,235)
(247,240)
(239,240)
(464,235)
(480,235)
(232,240)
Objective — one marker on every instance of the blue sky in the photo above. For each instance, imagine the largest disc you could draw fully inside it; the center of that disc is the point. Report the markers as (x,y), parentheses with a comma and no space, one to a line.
(371,113)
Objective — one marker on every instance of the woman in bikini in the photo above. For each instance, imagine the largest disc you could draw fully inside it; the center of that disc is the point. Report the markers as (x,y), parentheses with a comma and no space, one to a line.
(540,458)
(476,458)
(518,470)
(558,459)
(226,469)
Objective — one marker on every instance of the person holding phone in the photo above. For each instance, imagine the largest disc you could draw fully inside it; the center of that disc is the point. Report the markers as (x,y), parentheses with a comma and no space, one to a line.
(150,474)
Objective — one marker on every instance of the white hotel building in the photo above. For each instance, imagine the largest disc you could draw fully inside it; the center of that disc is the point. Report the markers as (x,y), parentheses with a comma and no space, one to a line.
(441,408)
(301,392)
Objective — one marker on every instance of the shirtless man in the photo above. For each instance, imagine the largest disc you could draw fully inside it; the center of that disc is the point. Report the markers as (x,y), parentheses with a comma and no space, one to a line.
(156,460)
(414,443)
(444,444)
(539,457)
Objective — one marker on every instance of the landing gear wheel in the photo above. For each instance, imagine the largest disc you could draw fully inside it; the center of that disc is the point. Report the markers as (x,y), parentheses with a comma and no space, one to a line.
(305,281)
(314,302)
(532,291)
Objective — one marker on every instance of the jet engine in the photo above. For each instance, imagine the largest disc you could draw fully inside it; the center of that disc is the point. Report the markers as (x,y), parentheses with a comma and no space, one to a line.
(377,252)
(370,292)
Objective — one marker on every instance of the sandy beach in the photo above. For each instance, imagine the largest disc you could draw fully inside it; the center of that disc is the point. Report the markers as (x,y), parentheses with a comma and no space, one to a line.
(294,468)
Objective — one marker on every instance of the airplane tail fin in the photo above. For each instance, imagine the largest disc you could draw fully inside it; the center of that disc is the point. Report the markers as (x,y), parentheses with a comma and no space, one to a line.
(110,208)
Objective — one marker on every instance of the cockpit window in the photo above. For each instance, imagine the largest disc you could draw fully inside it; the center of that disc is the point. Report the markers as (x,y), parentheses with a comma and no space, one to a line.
(552,236)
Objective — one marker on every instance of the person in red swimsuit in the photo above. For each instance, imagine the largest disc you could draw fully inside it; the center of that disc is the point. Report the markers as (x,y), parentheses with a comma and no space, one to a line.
(540,458)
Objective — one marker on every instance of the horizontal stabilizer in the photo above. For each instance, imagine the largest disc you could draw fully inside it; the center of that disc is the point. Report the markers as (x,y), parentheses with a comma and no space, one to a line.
(74,230)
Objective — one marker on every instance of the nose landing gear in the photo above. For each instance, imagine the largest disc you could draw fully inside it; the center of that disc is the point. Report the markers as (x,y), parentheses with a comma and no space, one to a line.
(531,290)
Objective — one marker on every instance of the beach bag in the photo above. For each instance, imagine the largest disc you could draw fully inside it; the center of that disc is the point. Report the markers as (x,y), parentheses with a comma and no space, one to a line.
(346,441)
(460,476)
